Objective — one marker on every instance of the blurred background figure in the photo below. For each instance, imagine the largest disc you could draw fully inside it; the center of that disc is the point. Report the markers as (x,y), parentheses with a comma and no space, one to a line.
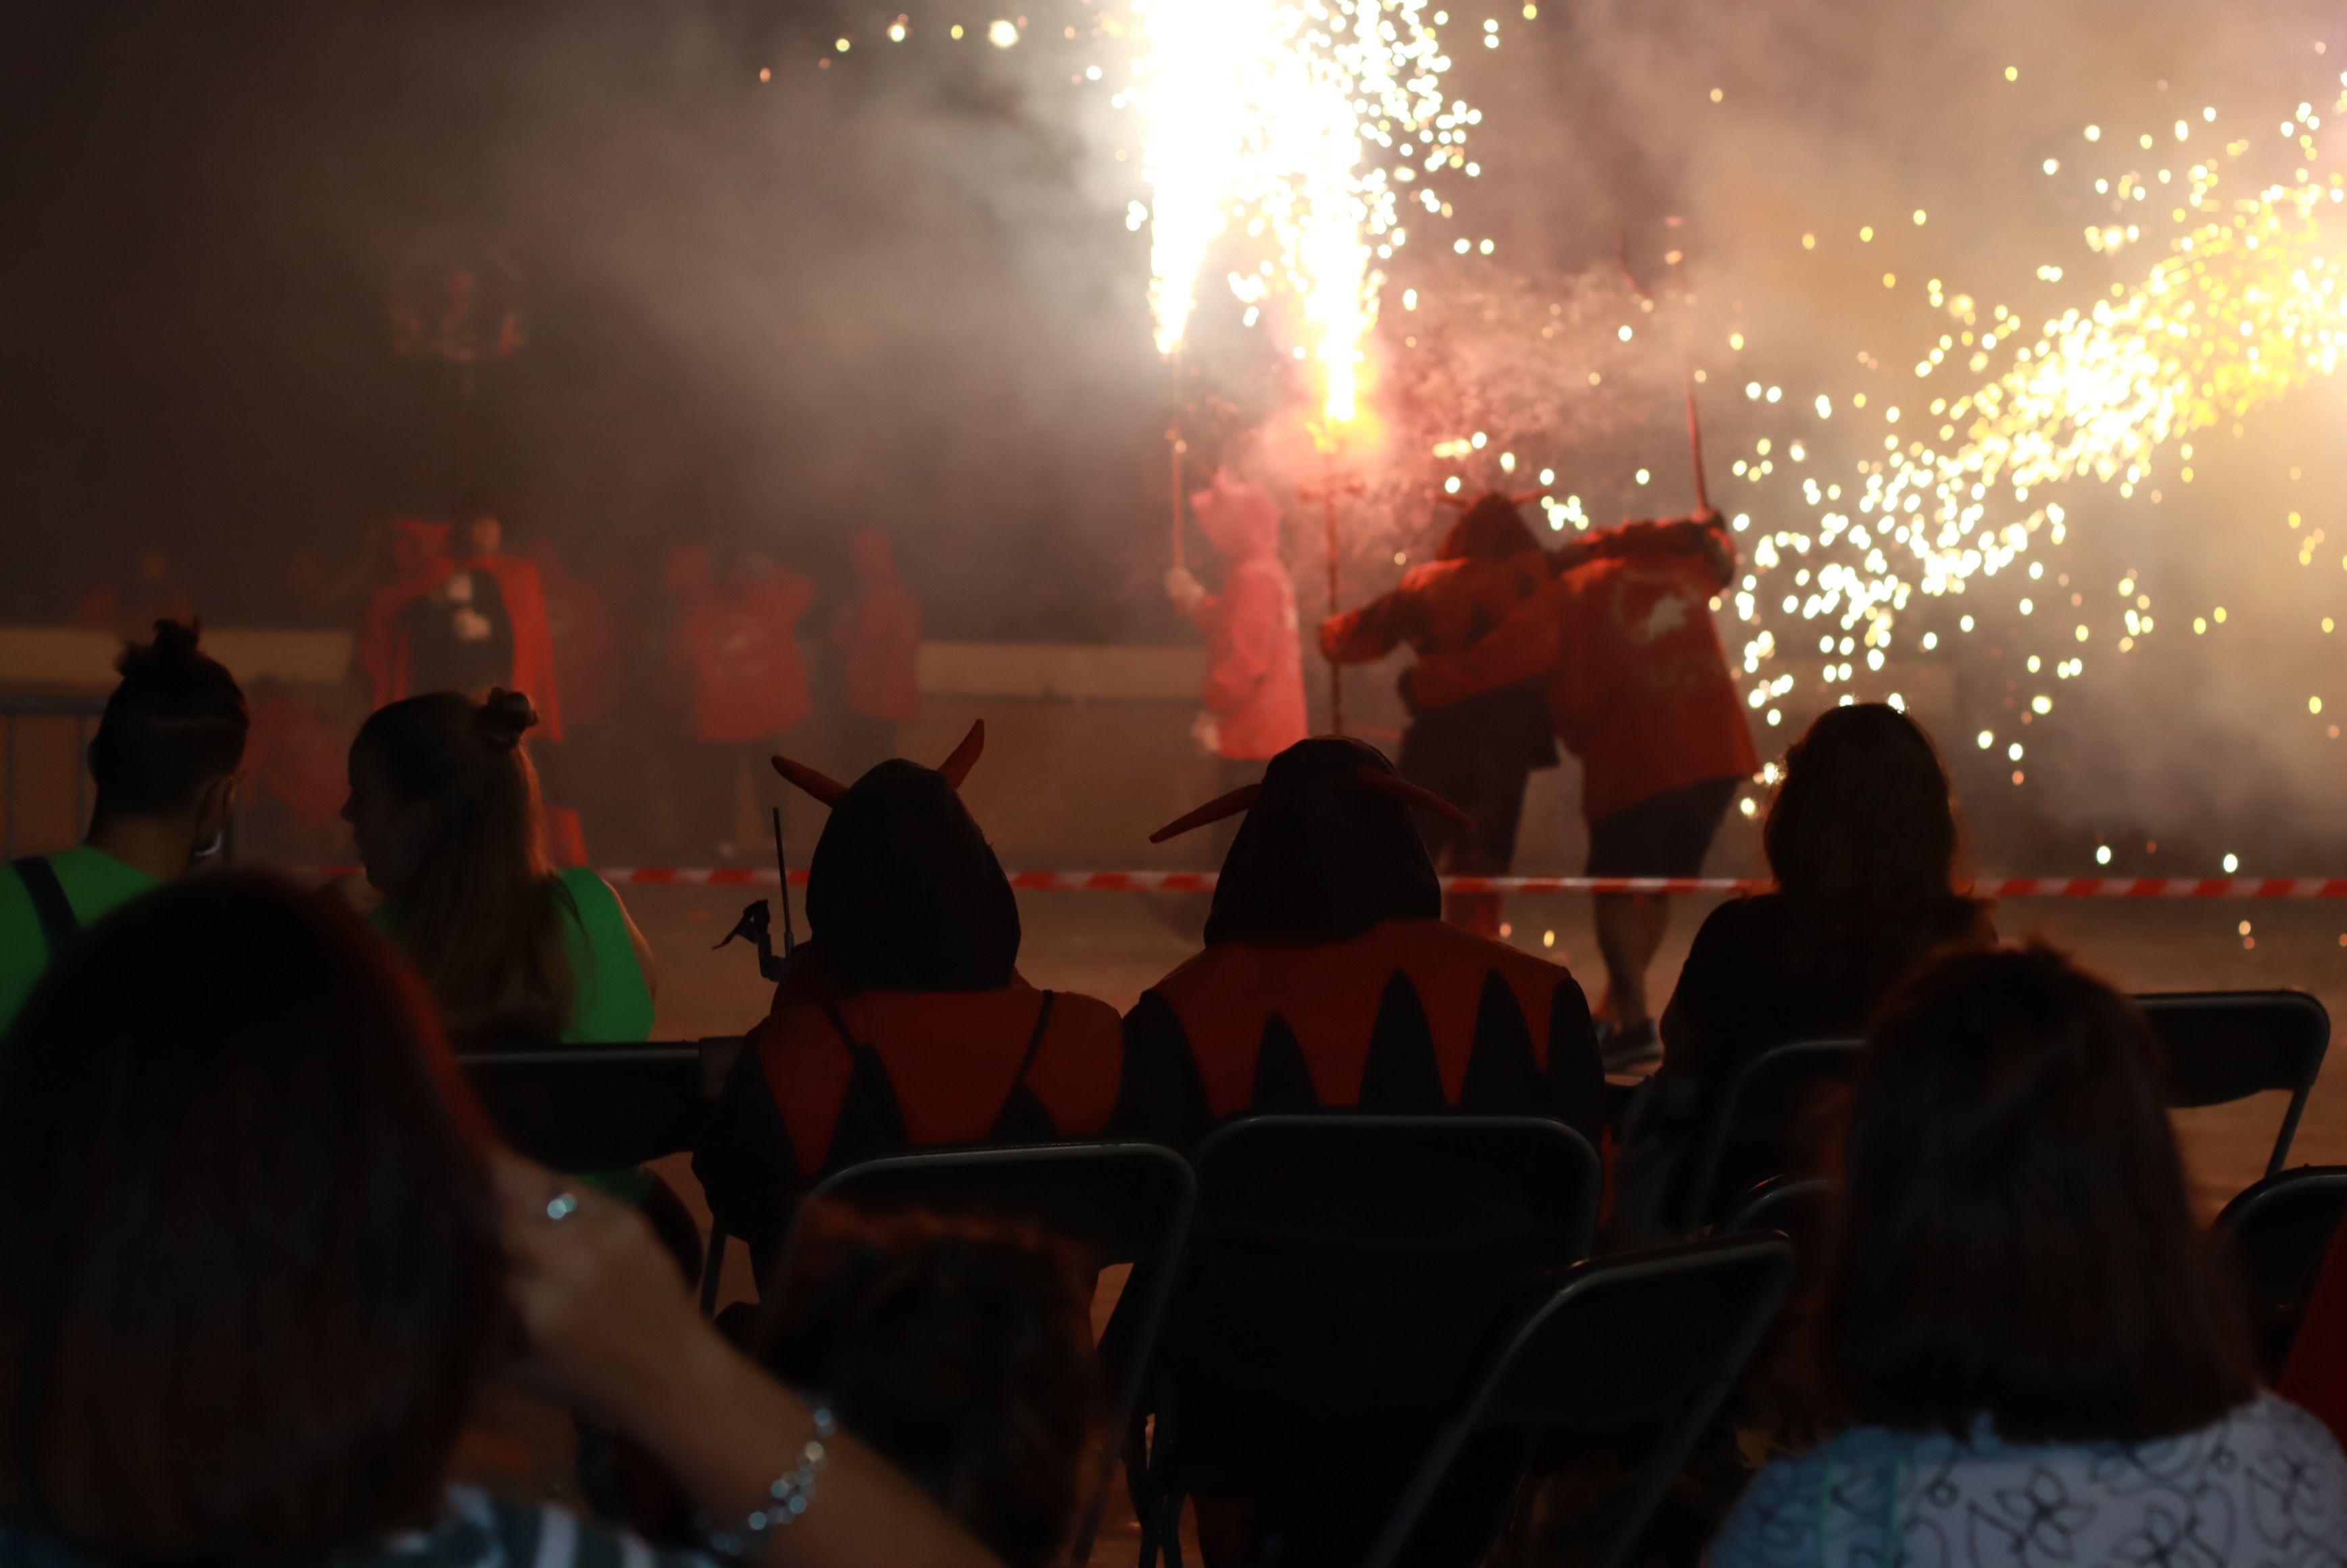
(130,604)
(734,640)
(879,636)
(1253,700)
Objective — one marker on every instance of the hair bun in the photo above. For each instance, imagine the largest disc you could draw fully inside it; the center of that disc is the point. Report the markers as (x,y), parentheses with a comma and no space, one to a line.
(175,646)
(504,716)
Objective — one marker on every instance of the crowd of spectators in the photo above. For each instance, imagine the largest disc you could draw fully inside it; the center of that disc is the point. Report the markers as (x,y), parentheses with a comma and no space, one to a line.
(268,1252)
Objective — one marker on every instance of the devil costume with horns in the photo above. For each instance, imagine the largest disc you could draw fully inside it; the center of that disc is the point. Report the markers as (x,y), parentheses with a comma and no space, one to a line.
(1476,753)
(903,1022)
(1329,978)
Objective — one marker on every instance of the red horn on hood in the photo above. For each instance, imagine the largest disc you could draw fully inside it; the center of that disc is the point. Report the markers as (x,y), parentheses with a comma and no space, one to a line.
(1520,496)
(965,756)
(821,785)
(1456,503)
(1409,794)
(1231,804)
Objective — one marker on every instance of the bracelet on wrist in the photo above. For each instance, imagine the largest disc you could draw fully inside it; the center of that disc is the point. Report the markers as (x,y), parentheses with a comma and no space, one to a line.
(788,1497)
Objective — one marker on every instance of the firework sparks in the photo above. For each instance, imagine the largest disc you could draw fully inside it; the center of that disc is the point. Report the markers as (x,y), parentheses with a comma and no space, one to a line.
(1265,112)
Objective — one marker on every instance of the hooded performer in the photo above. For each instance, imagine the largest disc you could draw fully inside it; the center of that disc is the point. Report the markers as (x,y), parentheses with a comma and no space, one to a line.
(903,1022)
(1640,689)
(1477,753)
(1330,978)
(1254,694)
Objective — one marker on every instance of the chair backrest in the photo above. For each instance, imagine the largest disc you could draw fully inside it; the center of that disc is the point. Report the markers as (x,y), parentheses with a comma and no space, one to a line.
(1756,1127)
(1645,1345)
(2222,1046)
(2279,1230)
(592,1107)
(1123,1202)
(1350,1277)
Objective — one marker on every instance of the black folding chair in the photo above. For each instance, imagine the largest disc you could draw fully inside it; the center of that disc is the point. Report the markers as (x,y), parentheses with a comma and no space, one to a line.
(2279,1230)
(1123,1202)
(2223,1046)
(1350,1278)
(1793,1206)
(1758,1127)
(1640,1346)
(591,1107)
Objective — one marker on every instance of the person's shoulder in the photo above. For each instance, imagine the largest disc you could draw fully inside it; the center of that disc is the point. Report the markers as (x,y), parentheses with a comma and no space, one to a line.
(1777,1519)
(2270,1425)
(588,888)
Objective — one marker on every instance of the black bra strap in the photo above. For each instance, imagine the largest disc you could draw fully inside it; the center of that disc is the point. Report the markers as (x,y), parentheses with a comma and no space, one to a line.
(55,912)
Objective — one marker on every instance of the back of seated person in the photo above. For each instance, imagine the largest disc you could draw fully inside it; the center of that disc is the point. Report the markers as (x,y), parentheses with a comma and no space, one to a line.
(903,1022)
(444,807)
(165,760)
(2037,1349)
(1329,978)
(960,1350)
(1861,840)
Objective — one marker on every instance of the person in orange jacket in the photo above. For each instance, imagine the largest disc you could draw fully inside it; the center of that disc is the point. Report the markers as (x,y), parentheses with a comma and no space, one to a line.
(1253,698)
(735,642)
(1641,691)
(1477,753)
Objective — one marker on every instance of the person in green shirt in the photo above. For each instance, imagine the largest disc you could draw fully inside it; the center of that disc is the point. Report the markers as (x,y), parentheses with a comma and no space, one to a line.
(165,760)
(444,807)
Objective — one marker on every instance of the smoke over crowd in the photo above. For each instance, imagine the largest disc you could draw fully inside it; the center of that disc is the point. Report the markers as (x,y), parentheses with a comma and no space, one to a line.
(771,289)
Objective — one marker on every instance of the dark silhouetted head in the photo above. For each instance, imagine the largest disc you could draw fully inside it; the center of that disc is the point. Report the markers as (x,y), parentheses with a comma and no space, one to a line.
(1328,849)
(2017,1241)
(253,1263)
(961,1351)
(173,731)
(1491,528)
(903,893)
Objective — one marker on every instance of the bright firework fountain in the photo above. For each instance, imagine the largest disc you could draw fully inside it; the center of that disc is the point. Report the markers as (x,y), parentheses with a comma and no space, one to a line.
(1263,111)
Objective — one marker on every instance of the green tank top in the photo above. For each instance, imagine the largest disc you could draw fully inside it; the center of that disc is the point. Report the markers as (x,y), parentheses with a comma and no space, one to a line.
(96,885)
(611,1002)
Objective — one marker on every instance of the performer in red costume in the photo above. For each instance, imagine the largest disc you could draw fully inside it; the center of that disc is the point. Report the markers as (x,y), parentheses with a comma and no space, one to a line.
(420,563)
(1254,694)
(903,1022)
(1330,978)
(735,640)
(1640,689)
(1477,753)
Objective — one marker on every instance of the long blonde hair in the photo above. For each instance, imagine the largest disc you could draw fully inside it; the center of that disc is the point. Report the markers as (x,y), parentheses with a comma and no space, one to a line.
(483,914)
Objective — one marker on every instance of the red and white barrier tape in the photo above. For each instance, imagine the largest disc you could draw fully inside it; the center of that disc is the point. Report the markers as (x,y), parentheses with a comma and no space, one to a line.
(1204,882)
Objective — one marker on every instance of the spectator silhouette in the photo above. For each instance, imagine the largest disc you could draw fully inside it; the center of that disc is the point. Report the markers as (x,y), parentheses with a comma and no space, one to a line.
(165,760)
(2041,1358)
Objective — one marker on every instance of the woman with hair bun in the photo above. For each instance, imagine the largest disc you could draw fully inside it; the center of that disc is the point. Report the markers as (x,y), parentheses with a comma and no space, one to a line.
(445,809)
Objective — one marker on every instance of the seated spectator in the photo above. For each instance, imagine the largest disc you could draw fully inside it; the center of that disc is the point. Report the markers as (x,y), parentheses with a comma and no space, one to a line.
(2040,1354)
(258,1272)
(903,1022)
(165,760)
(445,806)
(1329,978)
(960,1351)
(1862,839)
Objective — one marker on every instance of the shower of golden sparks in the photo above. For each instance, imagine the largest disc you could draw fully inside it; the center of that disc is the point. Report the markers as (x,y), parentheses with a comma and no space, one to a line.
(2245,305)
(1263,113)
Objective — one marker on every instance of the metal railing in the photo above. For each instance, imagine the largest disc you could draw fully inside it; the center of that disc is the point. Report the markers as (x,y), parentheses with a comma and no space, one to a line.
(83,712)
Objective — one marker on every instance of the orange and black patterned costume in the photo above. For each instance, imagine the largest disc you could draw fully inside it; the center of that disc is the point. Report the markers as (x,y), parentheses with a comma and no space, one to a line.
(1329,978)
(903,1022)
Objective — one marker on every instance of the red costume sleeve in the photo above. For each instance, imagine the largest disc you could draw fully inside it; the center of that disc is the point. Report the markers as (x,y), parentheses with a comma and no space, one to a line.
(1528,644)
(381,654)
(1253,607)
(1367,634)
(1646,537)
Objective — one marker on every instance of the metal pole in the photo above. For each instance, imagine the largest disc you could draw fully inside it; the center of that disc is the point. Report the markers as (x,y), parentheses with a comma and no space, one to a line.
(1336,671)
